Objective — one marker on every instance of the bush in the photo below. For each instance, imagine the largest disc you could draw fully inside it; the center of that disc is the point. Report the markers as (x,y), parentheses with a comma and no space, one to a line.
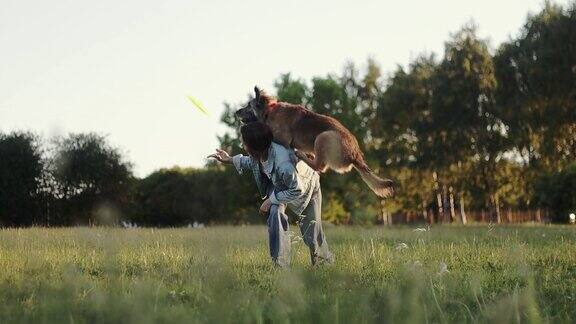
(557,193)
(176,197)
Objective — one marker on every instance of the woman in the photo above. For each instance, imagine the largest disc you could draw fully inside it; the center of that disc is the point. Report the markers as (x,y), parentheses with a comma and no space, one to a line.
(282,181)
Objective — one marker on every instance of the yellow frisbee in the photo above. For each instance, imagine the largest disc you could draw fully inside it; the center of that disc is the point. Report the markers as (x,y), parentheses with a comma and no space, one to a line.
(198,105)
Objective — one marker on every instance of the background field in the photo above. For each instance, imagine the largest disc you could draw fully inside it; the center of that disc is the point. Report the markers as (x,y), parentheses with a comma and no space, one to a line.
(223,274)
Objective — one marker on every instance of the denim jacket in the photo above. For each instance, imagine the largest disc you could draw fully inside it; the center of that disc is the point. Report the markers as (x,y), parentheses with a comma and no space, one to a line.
(285,180)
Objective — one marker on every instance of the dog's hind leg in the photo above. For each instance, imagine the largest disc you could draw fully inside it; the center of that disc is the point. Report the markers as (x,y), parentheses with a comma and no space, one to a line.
(327,150)
(313,163)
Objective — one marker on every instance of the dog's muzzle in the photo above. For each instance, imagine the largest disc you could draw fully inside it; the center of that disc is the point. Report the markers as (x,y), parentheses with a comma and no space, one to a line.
(246,115)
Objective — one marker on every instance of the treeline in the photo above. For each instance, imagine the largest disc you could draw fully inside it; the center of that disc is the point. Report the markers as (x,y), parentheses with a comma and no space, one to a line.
(81,179)
(474,132)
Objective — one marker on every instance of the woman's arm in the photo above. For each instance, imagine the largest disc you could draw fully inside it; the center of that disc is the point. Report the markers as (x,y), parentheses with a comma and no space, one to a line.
(241,162)
(291,180)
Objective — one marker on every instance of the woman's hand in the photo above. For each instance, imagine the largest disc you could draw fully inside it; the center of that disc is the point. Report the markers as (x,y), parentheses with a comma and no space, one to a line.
(265,208)
(221,156)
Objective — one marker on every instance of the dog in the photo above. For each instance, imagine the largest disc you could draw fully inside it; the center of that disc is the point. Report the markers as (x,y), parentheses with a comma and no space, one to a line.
(320,141)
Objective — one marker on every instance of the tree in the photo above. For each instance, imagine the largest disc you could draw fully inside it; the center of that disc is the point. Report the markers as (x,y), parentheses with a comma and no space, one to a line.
(21,167)
(292,91)
(93,179)
(466,126)
(403,118)
(537,89)
(369,91)
(337,97)
(401,128)
(555,192)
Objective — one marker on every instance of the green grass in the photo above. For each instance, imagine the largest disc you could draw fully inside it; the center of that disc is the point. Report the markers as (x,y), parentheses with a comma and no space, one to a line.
(223,274)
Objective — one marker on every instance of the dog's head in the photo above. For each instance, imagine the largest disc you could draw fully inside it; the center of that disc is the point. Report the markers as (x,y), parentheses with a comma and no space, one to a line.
(255,109)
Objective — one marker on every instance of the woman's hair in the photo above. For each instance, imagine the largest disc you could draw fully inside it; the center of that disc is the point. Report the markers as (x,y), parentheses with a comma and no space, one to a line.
(257,138)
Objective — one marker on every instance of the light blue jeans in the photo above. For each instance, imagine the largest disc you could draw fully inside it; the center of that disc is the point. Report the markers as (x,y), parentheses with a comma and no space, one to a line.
(310,227)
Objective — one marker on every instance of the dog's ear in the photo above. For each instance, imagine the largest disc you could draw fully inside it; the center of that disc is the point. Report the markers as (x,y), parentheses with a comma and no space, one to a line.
(257,92)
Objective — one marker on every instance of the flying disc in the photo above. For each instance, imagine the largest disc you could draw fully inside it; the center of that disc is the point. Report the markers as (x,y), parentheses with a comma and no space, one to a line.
(198,105)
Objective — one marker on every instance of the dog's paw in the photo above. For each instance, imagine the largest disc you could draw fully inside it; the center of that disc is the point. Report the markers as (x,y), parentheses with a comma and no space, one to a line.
(301,155)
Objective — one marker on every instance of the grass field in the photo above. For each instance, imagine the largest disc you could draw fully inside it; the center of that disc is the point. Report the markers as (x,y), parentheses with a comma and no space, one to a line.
(223,274)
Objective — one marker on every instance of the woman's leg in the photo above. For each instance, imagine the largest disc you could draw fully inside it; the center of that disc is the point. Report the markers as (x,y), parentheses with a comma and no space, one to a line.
(278,238)
(312,233)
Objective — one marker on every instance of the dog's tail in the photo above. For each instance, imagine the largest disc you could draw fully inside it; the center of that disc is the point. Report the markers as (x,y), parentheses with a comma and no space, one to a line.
(383,188)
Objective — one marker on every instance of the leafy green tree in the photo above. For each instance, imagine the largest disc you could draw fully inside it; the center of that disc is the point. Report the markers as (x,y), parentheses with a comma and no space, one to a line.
(537,89)
(337,97)
(403,119)
(369,92)
(466,122)
(21,166)
(291,90)
(556,192)
(402,124)
(93,179)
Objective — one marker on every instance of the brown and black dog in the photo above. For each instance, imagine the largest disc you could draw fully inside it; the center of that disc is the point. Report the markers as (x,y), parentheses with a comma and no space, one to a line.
(320,141)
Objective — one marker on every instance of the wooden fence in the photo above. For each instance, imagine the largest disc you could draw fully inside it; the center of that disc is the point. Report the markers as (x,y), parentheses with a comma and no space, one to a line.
(503,216)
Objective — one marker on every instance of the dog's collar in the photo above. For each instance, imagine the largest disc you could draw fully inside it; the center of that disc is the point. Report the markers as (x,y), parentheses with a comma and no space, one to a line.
(271,105)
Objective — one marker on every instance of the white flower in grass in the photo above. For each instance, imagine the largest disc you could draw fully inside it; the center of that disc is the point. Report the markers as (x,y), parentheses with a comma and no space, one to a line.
(572,218)
(401,246)
(443,268)
(420,229)
(198,225)
(126,224)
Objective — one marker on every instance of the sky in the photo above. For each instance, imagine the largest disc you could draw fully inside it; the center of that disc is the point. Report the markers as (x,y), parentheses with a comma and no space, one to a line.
(125,68)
